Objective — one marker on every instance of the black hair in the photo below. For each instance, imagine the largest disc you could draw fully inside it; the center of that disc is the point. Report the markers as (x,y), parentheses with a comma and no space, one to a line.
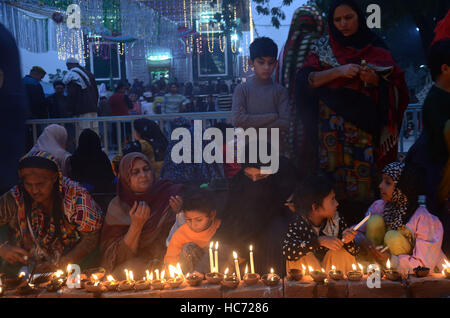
(120,85)
(198,199)
(258,164)
(411,185)
(438,55)
(312,190)
(58,82)
(263,47)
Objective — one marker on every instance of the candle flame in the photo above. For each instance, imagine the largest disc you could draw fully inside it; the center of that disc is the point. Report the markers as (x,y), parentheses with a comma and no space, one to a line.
(226,271)
(310,269)
(251,248)
(360,267)
(333,268)
(323,271)
(443,273)
(162,274)
(22,274)
(69,268)
(131,275)
(217,245)
(271,270)
(235,256)
(179,271)
(127,274)
(354,267)
(211,245)
(59,273)
(147,274)
(246,269)
(151,276)
(388,264)
(304,267)
(157,273)
(110,278)
(94,277)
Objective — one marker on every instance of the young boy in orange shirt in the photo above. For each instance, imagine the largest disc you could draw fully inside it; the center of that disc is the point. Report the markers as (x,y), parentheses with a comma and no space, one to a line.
(189,242)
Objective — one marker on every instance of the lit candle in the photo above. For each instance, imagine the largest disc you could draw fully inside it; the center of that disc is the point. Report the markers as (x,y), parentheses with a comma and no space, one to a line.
(361,268)
(96,282)
(310,269)
(211,259)
(157,274)
(131,276)
(246,270)
(179,271)
(147,274)
(216,257)
(110,278)
(236,265)
(151,276)
(354,267)
(252,264)
(333,269)
(271,276)
(162,274)
(304,269)
(225,273)
(126,274)
(388,264)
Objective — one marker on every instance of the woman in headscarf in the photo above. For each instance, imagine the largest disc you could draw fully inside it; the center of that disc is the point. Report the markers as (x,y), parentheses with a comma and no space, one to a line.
(139,218)
(307,26)
(150,141)
(412,235)
(52,221)
(53,140)
(351,96)
(90,165)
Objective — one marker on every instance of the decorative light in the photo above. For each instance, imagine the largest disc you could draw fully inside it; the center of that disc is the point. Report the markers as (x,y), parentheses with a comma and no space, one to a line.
(222,43)
(250,19)
(210,48)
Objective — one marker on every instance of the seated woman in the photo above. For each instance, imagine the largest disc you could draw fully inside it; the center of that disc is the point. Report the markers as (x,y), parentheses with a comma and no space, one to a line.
(52,221)
(318,236)
(412,234)
(90,165)
(150,141)
(53,140)
(139,217)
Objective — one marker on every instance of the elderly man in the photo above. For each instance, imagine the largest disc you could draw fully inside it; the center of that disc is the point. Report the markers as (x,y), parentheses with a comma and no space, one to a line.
(82,93)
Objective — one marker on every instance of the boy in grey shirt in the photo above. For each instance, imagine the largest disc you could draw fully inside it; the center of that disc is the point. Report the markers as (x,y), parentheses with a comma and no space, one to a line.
(260,102)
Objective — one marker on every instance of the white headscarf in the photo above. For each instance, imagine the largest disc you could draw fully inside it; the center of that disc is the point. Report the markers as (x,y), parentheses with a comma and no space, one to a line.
(53,140)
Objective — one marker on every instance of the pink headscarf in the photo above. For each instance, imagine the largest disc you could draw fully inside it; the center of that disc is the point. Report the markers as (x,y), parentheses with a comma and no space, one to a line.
(53,140)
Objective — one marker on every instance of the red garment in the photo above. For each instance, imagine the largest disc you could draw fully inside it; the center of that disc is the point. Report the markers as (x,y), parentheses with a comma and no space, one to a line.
(442,30)
(118,105)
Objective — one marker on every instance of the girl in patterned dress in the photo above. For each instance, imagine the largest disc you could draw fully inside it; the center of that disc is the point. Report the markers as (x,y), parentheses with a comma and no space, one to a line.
(318,236)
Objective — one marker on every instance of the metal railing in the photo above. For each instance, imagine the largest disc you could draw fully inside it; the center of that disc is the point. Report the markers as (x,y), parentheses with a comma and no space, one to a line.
(411,126)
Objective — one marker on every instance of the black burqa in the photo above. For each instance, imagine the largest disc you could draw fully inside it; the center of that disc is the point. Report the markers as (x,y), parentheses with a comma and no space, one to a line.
(90,165)
(255,214)
(13,110)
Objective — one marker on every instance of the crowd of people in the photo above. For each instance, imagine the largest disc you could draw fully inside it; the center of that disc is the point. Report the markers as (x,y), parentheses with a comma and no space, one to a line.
(339,112)
(78,95)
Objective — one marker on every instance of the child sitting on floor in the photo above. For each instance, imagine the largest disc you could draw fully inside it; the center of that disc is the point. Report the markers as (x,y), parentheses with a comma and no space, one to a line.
(190,240)
(315,236)
(412,235)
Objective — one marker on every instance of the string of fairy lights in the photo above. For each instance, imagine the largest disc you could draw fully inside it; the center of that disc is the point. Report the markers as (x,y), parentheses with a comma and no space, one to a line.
(82,43)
